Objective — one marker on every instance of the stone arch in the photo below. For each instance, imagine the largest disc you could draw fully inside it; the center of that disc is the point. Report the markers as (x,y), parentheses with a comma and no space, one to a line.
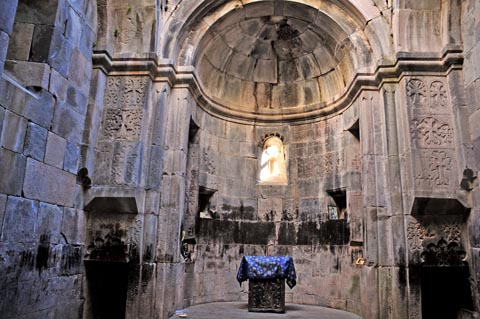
(342,41)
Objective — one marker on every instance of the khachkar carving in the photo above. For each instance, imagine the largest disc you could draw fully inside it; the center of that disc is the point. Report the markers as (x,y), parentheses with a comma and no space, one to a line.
(430,132)
(117,163)
(420,93)
(125,164)
(333,162)
(416,92)
(125,92)
(443,253)
(118,150)
(416,234)
(438,94)
(122,124)
(435,169)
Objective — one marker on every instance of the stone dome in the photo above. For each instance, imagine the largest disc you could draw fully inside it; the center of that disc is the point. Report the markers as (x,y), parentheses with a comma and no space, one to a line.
(275,58)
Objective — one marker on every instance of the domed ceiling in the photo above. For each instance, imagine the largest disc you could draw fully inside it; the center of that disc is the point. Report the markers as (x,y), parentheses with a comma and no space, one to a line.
(275,58)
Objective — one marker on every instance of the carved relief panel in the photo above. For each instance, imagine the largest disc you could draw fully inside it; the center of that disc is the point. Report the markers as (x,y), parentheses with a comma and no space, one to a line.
(112,237)
(428,94)
(434,169)
(119,150)
(432,133)
(436,242)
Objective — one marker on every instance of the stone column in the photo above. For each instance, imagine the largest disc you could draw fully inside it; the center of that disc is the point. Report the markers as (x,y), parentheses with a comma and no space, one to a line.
(375,134)
(172,203)
(395,207)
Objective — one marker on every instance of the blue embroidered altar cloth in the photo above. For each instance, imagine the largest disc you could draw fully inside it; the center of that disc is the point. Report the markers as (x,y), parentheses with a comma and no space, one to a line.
(267,267)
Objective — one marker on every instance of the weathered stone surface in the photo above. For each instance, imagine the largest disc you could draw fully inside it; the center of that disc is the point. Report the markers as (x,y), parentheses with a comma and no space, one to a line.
(29,74)
(7,15)
(39,108)
(13,132)
(2,116)
(87,41)
(13,98)
(55,150)
(21,41)
(4,39)
(80,71)
(71,160)
(60,53)
(321,62)
(42,37)
(12,170)
(48,184)
(38,12)
(20,219)
(35,141)
(3,205)
(58,86)
(76,99)
(74,226)
(73,26)
(49,222)
(68,124)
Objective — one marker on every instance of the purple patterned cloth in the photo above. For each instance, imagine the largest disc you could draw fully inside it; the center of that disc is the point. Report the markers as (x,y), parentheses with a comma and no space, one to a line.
(267,267)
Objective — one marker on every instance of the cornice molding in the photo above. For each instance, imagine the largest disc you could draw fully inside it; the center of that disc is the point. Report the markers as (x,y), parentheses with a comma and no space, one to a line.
(163,70)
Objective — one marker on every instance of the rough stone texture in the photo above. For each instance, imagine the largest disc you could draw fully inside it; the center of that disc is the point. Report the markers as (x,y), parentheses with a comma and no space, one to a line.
(58,86)
(71,160)
(3,204)
(375,112)
(39,108)
(4,39)
(73,226)
(13,173)
(55,150)
(60,53)
(13,132)
(35,142)
(49,184)
(7,15)
(29,74)
(49,222)
(19,45)
(19,223)
(67,123)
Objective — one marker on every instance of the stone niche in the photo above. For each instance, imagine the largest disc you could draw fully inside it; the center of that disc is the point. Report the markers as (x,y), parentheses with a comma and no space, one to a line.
(111,255)
(439,274)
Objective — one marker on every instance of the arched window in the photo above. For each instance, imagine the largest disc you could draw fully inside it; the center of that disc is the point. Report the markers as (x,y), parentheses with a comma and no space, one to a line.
(273,167)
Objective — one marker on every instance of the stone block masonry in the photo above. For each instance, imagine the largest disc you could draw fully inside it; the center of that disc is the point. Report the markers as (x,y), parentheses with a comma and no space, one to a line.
(43,103)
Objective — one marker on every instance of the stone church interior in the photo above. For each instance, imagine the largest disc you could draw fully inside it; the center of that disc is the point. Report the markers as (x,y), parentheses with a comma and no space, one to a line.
(148,147)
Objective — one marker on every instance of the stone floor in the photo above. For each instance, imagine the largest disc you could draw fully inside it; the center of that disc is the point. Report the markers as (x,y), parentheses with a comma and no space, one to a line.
(238,310)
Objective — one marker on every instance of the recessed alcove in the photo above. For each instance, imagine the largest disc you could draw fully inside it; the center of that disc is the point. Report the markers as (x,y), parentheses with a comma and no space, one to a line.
(269,58)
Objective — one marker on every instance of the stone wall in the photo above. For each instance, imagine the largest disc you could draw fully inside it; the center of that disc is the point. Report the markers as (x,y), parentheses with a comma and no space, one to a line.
(45,68)
(471,37)
(247,218)
(116,156)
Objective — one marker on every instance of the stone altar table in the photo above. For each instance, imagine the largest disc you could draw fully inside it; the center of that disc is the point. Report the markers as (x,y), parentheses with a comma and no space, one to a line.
(266,277)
